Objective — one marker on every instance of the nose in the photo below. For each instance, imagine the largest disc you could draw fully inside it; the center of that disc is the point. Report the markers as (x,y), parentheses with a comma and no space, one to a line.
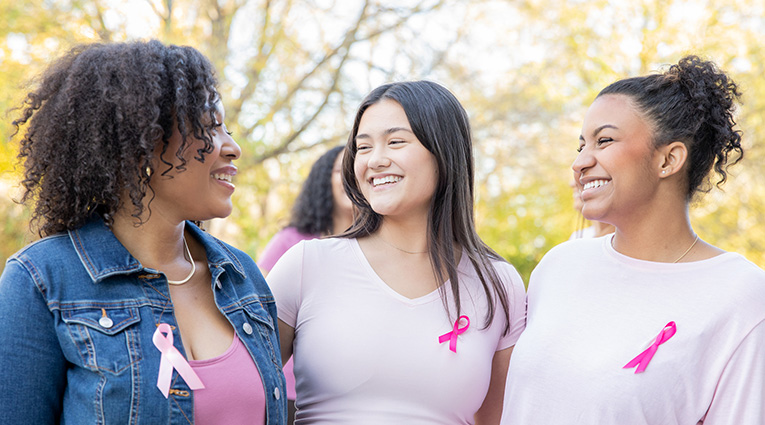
(230,148)
(379,158)
(583,161)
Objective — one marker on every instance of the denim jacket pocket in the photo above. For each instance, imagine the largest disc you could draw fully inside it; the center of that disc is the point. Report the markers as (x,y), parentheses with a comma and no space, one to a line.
(105,337)
(255,311)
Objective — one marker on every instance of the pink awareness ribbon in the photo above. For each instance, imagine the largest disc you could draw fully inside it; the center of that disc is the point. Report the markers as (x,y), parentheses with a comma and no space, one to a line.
(642,359)
(172,358)
(451,336)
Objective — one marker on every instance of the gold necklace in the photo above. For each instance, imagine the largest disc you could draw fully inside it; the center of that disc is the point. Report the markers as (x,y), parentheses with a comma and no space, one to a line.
(402,250)
(678,258)
(186,255)
(687,250)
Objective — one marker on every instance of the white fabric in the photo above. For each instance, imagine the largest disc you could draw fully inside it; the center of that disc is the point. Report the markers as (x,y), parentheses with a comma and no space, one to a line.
(586,233)
(591,310)
(364,354)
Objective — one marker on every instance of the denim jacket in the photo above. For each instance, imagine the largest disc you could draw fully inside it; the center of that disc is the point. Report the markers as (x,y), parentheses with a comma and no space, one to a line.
(62,362)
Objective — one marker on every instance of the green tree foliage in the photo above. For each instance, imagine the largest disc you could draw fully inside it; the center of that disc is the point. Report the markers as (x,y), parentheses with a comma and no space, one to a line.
(293,72)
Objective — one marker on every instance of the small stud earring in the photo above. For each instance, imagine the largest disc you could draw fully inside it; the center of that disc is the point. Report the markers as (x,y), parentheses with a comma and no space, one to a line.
(664,171)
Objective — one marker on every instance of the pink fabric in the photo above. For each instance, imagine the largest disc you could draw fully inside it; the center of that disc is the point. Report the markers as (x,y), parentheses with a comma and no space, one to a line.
(274,250)
(233,393)
(366,354)
(279,244)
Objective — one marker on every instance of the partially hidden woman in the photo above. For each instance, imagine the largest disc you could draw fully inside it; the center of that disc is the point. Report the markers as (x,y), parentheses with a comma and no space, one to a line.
(126,312)
(650,325)
(321,209)
(408,317)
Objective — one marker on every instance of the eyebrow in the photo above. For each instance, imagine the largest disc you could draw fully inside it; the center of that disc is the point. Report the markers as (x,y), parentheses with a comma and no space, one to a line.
(386,132)
(599,129)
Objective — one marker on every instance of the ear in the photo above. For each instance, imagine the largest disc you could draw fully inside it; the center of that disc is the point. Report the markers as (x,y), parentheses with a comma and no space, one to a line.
(672,158)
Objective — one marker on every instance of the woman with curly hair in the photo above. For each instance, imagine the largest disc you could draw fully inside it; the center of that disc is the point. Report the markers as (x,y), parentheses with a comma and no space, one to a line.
(407,317)
(650,325)
(125,311)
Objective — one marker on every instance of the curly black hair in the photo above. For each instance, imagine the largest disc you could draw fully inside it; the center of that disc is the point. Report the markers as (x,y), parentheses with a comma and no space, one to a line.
(93,122)
(312,211)
(692,102)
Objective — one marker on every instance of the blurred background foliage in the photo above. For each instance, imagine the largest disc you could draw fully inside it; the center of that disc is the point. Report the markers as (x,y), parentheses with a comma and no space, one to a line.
(293,71)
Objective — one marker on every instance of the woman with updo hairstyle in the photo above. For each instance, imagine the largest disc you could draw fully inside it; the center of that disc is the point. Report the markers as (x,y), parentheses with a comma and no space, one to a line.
(126,311)
(407,317)
(649,325)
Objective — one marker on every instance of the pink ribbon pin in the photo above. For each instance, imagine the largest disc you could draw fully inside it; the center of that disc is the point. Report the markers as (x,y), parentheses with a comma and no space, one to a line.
(172,358)
(452,335)
(642,359)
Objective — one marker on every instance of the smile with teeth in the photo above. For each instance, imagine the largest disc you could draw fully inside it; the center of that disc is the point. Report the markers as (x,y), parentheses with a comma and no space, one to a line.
(224,177)
(378,181)
(595,184)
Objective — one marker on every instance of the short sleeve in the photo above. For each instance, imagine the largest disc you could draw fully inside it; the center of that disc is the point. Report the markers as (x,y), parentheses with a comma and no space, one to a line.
(286,281)
(741,390)
(516,293)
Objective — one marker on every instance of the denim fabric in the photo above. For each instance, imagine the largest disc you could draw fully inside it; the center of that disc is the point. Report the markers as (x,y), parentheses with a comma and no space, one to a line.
(60,362)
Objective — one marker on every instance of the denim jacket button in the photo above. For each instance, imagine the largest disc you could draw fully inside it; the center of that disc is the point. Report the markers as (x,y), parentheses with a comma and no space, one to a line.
(105,322)
(277,393)
(247,328)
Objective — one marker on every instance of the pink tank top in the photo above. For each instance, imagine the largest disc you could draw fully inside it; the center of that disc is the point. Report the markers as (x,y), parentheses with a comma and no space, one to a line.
(233,392)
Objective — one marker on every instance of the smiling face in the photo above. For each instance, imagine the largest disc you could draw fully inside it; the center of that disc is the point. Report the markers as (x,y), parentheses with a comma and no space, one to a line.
(396,174)
(203,190)
(617,169)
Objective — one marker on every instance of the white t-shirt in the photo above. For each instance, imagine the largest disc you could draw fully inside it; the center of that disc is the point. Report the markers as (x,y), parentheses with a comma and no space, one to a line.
(365,354)
(592,310)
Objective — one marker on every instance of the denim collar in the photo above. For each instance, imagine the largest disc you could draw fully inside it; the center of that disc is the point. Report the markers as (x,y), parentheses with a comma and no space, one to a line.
(102,254)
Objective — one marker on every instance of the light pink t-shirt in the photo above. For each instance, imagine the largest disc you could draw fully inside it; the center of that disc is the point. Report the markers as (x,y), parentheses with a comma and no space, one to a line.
(233,392)
(592,310)
(366,354)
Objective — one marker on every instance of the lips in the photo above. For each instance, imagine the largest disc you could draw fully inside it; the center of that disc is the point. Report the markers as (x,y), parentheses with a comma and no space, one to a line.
(225,175)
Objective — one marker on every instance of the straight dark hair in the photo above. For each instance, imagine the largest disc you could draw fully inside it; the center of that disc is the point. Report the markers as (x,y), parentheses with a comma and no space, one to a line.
(441,124)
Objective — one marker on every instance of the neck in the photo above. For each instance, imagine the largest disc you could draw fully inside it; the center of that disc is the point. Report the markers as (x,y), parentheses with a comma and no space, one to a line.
(602,229)
(409,235)
(156,244)
(663,238)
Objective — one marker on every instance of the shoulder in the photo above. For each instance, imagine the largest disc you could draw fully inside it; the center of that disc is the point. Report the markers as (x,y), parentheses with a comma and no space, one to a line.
(327,249)
(41,249)
(744,275)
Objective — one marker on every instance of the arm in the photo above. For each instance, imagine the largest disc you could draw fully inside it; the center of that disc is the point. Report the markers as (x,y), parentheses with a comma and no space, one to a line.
(739,395)
(491,409)
(32,366)
(285,281)
(286,336)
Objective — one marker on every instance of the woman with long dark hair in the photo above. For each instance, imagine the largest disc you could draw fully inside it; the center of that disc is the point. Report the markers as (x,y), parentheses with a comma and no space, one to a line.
(408,317)
(650,325)
(126,311)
